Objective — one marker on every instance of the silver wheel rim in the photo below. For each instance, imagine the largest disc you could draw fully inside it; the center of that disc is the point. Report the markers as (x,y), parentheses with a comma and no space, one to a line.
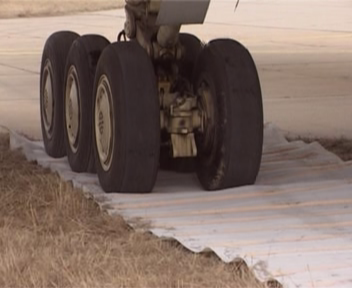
(72,108)
(103,121)
(48,99)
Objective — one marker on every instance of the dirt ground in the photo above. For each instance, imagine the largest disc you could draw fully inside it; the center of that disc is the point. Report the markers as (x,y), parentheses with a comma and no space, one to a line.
(342,147)
(52,236)
(30,8)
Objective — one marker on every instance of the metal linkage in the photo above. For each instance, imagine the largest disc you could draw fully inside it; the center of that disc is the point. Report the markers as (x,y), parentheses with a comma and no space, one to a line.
(180,116)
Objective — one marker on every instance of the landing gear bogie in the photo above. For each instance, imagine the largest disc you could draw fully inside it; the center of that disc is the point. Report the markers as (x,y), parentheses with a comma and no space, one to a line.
(161,99)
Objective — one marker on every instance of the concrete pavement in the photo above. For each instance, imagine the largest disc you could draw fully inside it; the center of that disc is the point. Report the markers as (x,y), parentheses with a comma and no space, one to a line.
(303,51)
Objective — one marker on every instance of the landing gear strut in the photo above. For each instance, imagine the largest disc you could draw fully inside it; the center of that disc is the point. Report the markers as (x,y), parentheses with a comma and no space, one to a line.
(155,98)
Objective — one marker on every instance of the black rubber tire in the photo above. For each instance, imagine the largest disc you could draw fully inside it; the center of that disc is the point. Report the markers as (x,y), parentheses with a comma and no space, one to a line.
(193,47)
(136,119)
(83,56)
(233,156)
(55,50)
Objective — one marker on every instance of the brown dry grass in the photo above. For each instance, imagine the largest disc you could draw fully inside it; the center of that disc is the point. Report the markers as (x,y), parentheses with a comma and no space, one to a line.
(342,147)
(52,236)
(30,8)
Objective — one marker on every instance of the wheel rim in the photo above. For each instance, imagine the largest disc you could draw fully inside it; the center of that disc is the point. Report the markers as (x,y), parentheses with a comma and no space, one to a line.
(104,123)
(48,99)
(72,108)
(206,104)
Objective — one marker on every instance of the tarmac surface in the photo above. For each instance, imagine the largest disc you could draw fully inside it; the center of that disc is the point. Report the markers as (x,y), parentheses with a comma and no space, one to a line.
(303,51)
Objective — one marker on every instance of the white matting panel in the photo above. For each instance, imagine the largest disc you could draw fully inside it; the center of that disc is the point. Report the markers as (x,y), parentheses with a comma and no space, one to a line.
(294,225)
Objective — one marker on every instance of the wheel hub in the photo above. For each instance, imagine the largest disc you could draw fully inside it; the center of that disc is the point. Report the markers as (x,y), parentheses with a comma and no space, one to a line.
(206,104)
(72,109)
(104,123)
(101,123)
(48,99)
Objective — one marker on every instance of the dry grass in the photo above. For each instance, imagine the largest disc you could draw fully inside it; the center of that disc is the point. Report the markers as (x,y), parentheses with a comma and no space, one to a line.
(342,147)
(52,236)
(30,8)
